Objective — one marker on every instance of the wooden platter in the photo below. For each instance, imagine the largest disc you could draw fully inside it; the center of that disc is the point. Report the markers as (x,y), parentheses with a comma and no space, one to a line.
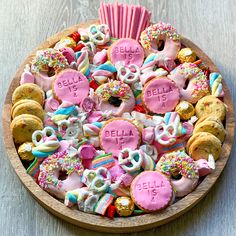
(119,224)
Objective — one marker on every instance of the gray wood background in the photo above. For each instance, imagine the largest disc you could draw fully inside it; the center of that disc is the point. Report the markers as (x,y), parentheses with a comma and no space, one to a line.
(211,24)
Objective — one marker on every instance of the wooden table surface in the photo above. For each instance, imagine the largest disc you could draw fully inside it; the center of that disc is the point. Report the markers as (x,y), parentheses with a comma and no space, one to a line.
(211,24)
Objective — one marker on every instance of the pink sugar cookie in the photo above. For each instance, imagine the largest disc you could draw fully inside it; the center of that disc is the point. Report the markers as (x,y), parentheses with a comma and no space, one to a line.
(160,95)
(118,134)
(151,191)
(127,51)
(71,86)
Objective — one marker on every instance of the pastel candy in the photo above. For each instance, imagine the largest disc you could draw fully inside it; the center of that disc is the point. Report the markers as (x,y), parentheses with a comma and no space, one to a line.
(216,84)
(151,191)
(127,51)
(103,72)
(105,160)
(104,202)
(100,57)
(51,104)
(71,85)
(68,53)
(82,58)
(92,129)
(87,151)
(117,135)
(160,95)
(27,77)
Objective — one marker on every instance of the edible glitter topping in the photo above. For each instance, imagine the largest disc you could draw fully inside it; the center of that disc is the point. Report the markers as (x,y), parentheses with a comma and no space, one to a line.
(49,58)
(200,83)
(155,32)
(176,163)
(55,163)
(114,88)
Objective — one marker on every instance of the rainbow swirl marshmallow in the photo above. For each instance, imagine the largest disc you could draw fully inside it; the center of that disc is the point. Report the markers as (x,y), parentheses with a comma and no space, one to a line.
(103,72)
(216,84)
(197,82)
(154,35)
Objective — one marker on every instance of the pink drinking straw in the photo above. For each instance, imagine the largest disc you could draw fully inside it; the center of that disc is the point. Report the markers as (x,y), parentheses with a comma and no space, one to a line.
(112,24)
(116,19)
(125,8)
(121,16)
(136,22)
(128,23)
(141,23)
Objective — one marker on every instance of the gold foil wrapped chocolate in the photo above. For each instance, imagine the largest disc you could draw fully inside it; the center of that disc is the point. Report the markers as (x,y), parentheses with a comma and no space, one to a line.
(124,206)
(25,151)
(65,42)
(185,110)
(186,55)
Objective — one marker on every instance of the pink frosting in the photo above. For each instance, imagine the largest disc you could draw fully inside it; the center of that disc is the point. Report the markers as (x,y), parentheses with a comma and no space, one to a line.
(71,85)
(184,185)
(51,105)
(26,77)
(100,57)
(87,151)
(203,167)
(117,135)
(68,53)
(151,190)
(44,81)
(127,51)
(161,95)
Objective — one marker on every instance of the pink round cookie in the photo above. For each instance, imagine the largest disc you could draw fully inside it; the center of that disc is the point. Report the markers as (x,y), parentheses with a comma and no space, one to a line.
(127,51)
(160,95)
(118,134)
(71,86)
(151,191)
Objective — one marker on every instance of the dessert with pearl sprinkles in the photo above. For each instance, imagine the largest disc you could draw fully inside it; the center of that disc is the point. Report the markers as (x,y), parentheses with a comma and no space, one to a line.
(120,118)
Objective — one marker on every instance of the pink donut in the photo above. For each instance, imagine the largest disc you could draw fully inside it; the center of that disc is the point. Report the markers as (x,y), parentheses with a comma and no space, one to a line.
(60,173)
(197,86)
(178,163)
(115,96)
(45,65)
(161,33)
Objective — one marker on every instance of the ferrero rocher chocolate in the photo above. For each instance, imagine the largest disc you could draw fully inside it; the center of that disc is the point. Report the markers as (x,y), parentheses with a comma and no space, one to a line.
(124,206)
(65,42)
(185,110)
(186,55)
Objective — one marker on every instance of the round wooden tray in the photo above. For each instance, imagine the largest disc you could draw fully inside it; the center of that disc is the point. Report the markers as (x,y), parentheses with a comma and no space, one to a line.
(119,224)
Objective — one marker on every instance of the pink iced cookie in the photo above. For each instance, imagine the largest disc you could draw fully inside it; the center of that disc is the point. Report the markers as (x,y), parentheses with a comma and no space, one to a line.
(160,95)
(151,191)
(118,134)
(71,85)
(127,51)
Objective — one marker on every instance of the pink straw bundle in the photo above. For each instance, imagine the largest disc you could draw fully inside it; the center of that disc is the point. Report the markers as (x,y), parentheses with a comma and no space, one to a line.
(124,21)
